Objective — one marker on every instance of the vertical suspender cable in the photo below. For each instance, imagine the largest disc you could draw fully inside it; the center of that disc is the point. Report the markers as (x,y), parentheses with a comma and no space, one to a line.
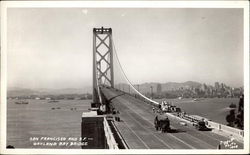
(148,99)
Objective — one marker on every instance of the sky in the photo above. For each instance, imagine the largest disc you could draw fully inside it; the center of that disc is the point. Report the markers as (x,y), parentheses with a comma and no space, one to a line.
(52,47)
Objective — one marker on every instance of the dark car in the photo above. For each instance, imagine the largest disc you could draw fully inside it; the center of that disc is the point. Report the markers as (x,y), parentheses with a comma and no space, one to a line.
(201,125)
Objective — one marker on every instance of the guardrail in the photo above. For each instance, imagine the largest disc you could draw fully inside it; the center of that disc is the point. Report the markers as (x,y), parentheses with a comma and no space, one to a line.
(190,118)
(109,135)
(121,140)
(226,129)
(193,119)
(217,126)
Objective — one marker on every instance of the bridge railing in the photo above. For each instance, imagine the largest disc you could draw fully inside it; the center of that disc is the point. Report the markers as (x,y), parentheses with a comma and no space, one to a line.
(119,139)
(194,119)
(111,142)
(238,133)
(227,129)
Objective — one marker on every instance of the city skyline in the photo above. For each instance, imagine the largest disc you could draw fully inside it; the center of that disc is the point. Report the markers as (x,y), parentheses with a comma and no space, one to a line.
(87,88)
(158,90)
(172,45)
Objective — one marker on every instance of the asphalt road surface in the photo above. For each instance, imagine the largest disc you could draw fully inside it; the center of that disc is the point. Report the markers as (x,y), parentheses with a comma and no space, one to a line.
(137,127)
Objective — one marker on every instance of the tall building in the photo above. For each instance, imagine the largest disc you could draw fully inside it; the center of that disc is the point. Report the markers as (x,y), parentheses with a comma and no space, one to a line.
(204,87)
(222,87)
(217,86)
(158,88)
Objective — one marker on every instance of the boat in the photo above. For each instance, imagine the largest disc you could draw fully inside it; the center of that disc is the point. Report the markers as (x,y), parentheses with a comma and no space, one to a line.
(22,102)
(196,99)
(53,101)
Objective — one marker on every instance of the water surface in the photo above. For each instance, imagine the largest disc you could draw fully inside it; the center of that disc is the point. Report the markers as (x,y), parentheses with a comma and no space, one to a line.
(42,119)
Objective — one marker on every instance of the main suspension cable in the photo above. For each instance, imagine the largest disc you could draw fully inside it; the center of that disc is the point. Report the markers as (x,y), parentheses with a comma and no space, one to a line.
(115,53)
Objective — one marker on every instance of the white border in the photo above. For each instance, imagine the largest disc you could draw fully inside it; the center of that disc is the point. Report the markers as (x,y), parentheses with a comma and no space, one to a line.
(121,4)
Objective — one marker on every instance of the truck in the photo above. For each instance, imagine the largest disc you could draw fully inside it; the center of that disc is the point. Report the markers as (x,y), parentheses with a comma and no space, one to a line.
(162,123)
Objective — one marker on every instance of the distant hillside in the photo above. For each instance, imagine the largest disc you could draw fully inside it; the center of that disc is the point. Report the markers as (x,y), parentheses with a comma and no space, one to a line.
(192,84)
(20,92)
(174,85)
(145,87)
(15,91)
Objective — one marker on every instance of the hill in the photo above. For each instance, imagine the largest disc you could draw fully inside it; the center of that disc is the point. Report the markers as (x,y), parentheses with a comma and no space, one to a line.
(15,91)
(146,87)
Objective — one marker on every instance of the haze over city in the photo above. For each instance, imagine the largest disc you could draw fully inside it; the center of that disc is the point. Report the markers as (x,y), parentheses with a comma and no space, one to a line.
(52,48)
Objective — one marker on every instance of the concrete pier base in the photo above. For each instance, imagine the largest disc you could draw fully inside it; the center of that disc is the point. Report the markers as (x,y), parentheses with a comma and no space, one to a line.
(93,131)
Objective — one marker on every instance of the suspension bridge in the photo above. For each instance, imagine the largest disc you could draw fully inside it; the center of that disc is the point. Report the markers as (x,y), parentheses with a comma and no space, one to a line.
(125,119)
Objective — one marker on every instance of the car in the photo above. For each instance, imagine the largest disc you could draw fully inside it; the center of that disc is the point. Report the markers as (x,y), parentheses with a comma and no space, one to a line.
(201,126)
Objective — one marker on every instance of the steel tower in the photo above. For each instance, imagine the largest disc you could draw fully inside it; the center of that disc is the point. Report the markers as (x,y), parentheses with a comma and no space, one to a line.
(103,74)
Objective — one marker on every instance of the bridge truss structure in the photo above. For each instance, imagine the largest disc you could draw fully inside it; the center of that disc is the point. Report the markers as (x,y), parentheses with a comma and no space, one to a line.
(104,52)
(103,69)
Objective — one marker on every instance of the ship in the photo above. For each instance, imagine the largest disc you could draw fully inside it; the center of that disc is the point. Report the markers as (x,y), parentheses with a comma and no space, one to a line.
(22,102)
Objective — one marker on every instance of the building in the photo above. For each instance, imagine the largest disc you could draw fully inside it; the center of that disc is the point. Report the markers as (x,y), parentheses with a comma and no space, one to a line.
(158,89)
(217,86)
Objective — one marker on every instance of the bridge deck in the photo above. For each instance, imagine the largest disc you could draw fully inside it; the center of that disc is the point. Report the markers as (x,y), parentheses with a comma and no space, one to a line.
(137,128)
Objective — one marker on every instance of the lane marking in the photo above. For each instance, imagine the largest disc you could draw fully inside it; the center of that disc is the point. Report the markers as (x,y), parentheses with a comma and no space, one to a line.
(169,134)
(151,132)
(200,141)
(208,136)
(197,139)
(213,138)
(137,136)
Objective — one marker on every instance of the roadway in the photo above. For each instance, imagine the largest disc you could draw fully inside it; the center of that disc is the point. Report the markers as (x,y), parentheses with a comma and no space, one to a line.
(137,127)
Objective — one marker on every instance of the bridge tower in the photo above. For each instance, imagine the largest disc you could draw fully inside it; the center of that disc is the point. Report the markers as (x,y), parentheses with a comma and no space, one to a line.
(103,74)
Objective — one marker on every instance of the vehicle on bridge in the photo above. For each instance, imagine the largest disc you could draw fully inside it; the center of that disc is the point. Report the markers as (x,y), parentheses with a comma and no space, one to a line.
(201,125)
(162,123)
